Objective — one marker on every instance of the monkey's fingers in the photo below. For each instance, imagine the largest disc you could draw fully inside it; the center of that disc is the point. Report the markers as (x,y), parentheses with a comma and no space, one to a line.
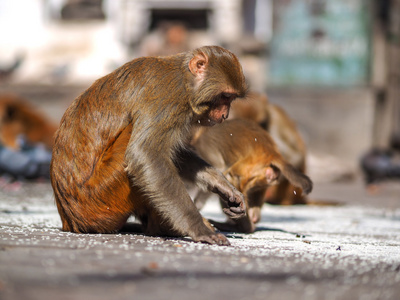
(235,201)
(234,212)
(217,238)
(236,206)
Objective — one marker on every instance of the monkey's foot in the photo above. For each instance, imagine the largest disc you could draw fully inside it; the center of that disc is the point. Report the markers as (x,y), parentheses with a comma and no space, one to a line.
(214,239)
(243,225)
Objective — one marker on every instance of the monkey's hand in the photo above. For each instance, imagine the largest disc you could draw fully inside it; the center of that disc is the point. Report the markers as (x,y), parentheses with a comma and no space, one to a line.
(195,169)
(234,200)
(216,182)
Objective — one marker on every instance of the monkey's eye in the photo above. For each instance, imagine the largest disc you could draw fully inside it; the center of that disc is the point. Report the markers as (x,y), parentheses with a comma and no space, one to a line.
(228,96)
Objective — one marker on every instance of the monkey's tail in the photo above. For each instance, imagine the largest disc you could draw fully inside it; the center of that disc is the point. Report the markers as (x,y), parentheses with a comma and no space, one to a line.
(294,176)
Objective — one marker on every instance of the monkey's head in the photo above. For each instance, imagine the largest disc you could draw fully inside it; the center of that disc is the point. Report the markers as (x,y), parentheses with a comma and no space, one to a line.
(217,80)
(254,107)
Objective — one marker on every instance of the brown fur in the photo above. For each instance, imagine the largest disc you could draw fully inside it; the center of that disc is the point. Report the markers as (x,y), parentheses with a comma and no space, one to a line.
(18,117)
(285,134)
(250,159)
(121,148)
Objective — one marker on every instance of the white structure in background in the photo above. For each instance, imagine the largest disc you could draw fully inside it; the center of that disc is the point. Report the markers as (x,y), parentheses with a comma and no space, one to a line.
(78,51)
(54,50)
(132,18)
(21,24)
(263,20)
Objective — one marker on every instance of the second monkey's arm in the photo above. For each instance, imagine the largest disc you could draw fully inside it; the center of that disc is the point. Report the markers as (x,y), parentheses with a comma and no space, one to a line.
(196,170)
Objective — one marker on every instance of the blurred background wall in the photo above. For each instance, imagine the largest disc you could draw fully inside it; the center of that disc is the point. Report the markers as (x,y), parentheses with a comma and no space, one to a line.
(333,65)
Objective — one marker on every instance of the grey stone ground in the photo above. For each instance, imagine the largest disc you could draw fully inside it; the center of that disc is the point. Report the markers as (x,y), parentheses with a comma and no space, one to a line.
(350,251)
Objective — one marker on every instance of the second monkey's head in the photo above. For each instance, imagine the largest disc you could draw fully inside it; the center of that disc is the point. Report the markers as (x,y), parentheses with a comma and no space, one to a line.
(218,79)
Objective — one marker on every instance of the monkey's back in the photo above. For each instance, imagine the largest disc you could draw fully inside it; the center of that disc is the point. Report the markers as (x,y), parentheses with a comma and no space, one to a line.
(88,163)
(97,117)
(87,173)
(287,137)
(234,140)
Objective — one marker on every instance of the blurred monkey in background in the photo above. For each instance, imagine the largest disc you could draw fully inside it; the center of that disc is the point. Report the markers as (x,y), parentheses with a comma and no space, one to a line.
(286,136)
(250,160)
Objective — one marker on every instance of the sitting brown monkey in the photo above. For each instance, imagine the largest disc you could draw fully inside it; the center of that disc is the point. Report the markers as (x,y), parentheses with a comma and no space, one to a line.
(250,160)
(122,146)
(285,134)
(19,118)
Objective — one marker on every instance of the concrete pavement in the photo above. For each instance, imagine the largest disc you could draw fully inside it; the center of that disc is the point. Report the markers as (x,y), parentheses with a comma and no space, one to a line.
(351,251)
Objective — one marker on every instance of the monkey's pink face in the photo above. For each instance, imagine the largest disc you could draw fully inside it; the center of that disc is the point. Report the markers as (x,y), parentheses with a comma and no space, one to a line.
(219,110)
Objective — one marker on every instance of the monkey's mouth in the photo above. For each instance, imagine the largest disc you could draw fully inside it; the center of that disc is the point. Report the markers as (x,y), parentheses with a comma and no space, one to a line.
(220,113)
(216,114)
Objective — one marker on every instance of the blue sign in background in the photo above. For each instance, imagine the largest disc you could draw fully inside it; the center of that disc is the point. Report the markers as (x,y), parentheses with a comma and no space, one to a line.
(321,43)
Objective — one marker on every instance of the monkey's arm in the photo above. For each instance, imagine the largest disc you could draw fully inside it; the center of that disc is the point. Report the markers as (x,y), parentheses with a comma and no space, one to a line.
(158,178)
(196,170)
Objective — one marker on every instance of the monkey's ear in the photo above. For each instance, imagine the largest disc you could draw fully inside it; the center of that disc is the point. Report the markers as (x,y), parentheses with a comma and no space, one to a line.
(198,65)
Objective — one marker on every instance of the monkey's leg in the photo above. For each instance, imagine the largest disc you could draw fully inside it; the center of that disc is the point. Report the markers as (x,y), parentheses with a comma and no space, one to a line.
(243,225)
(255,195)
(156,223)
(153,223)
(103,203)
(166,194)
